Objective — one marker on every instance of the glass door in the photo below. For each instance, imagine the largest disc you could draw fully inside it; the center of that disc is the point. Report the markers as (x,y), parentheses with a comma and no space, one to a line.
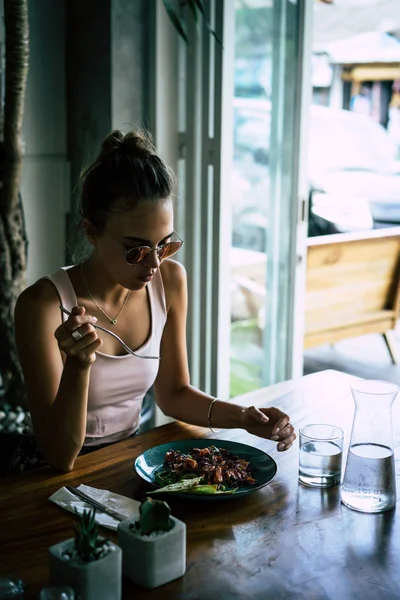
(270,81)
(239,110)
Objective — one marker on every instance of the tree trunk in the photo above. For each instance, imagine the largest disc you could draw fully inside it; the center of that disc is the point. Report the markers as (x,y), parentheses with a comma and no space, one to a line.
(13,238)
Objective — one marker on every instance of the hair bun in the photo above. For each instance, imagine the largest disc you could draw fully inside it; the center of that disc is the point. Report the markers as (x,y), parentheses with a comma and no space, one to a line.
(112,143)
(138,143)
(135,144)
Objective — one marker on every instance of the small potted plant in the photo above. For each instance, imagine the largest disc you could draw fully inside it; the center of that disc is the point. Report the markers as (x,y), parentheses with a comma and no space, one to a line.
(89,563)
(153,546)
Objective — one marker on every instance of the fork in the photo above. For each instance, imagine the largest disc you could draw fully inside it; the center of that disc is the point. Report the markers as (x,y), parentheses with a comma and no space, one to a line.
(129,350)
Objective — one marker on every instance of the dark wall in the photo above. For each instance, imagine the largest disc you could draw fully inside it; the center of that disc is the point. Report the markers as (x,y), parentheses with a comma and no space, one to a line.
(130,52)
(88,74)
(45,173)
(107,63)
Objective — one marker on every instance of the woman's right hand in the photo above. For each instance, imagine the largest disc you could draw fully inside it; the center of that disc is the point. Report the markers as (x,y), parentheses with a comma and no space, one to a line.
(82,350)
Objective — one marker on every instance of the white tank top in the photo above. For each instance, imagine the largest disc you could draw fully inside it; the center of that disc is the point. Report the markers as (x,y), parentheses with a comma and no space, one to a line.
(118,383)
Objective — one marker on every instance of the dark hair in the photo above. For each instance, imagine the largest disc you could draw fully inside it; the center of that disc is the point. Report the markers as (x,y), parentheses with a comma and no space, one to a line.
(126,171)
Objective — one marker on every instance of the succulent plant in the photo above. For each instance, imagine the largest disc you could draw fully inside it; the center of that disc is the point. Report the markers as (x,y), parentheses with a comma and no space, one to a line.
(155,515)
(89,546)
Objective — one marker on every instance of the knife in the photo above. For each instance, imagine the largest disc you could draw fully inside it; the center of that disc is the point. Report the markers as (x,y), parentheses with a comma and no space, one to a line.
(96,504)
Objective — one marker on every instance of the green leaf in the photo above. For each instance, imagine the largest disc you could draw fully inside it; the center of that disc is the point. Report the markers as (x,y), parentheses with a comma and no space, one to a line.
(199,6)
(191,486)
(192,6)
(201,9)
(88,543)
(211,489)
(184,484)
(204,489)
(175,20)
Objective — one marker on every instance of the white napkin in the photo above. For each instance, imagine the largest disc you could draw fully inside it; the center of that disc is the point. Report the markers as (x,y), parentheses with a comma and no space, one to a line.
(124,505)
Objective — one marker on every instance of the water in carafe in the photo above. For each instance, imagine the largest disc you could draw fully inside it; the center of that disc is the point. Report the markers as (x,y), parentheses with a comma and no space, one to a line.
(369,483)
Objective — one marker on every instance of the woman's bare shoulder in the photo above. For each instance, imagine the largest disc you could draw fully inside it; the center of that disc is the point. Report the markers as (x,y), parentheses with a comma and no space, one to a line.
(173,272)
(40,293)
(36,315)
(174,280)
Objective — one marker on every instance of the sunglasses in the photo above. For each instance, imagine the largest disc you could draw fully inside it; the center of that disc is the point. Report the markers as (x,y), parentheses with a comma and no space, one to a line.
(133,256)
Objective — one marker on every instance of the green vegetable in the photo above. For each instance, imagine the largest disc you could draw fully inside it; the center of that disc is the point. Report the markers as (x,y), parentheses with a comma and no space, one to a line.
(192,486)
(166,478)
(205,489)
(180,486)
(210,489)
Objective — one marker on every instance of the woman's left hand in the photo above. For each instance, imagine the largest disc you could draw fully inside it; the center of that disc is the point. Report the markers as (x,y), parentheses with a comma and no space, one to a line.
(270,423)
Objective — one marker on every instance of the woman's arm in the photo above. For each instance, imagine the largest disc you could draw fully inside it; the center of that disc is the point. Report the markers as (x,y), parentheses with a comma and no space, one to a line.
(178,399)
(57,392)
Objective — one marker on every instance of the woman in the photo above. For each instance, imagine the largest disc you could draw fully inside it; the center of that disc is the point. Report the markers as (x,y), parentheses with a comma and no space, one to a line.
(83,389)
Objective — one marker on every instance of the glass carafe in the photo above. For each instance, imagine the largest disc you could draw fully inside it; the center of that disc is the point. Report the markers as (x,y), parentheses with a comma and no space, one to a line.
(369,483)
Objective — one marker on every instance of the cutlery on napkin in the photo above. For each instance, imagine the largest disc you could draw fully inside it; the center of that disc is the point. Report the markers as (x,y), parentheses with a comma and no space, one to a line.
(96,504)
(114,506)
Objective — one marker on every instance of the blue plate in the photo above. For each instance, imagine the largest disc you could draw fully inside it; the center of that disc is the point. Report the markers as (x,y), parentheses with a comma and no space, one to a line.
(263,466)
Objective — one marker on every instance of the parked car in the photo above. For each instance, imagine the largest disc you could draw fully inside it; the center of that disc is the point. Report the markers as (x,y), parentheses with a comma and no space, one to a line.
(353,173)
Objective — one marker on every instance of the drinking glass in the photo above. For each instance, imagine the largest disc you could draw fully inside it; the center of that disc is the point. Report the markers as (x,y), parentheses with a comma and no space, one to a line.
(54,592)
(10,587)
(320,458)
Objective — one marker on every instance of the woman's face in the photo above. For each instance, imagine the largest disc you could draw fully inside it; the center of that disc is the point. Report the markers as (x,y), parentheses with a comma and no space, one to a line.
(148,224)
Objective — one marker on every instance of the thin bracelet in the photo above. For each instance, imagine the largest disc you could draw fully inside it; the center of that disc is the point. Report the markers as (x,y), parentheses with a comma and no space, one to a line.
(209,415)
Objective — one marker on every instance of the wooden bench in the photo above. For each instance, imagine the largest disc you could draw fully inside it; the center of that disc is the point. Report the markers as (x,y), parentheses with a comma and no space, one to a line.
(352,286)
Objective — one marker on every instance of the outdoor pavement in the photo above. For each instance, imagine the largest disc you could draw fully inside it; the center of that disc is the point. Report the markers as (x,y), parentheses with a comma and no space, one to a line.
(366,356)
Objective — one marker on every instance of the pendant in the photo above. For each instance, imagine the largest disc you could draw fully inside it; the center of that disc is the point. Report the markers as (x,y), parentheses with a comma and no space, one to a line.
(114,321)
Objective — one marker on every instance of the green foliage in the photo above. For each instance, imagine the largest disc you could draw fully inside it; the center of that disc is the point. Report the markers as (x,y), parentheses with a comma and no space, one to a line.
(175,20)
(155,515)
(88,544)
(246,357)
(195,6)
(243,382)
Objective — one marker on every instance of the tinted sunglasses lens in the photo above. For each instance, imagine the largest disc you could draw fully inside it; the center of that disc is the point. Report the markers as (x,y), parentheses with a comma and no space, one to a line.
(135,255)
(169,249)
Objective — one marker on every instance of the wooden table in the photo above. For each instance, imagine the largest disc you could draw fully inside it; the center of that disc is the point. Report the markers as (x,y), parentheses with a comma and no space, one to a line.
(283,541)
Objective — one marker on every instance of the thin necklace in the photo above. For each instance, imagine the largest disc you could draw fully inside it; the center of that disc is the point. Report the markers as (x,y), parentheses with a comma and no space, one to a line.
(112,321)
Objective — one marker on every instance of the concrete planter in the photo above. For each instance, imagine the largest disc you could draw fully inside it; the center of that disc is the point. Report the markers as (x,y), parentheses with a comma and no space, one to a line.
(96,580)
(152,560)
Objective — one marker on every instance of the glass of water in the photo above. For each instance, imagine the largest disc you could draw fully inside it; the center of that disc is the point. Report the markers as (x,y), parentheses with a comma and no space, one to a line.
(320,458)
(57,593)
